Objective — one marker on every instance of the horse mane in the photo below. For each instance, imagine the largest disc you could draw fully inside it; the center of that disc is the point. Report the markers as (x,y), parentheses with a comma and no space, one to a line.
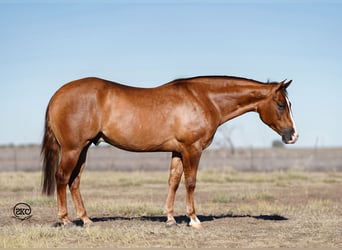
(226,77)
(268,82)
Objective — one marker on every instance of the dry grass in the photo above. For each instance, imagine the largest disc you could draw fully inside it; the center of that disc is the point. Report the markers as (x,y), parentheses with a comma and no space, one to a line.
(238,209)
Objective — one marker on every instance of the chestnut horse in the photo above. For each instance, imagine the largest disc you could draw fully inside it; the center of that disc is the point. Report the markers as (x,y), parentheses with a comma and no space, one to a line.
(181,117)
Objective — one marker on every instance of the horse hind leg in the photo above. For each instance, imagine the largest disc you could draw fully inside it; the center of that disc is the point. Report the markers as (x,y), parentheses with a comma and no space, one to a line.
(74,186)
(67,163)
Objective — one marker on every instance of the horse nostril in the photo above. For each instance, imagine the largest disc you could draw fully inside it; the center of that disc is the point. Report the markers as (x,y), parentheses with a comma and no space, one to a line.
(289,136)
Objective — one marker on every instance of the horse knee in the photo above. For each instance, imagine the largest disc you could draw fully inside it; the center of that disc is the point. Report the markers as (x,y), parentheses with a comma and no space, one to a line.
(190,183)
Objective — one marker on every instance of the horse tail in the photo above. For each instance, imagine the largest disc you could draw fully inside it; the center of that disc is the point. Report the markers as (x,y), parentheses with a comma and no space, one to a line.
(50,152)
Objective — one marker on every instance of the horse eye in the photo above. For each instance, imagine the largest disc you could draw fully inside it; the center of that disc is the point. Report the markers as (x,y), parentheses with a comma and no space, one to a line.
(281,106)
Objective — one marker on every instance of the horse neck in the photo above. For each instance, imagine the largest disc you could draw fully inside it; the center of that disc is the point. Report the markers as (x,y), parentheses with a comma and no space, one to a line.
(236,97)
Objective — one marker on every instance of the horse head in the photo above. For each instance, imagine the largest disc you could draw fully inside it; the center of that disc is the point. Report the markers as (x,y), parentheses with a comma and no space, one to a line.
(275,111)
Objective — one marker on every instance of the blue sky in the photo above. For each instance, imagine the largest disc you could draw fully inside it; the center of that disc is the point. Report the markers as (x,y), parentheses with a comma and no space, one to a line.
(45,44)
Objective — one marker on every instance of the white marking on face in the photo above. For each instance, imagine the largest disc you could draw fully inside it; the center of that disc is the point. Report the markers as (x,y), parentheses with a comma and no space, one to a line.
(295,134)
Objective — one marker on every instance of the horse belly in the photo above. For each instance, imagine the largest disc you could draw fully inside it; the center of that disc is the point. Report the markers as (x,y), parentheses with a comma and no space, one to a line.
(139,133)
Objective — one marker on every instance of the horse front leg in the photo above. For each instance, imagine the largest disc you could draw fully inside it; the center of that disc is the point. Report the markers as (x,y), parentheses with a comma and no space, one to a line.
(190,162)
(176,171)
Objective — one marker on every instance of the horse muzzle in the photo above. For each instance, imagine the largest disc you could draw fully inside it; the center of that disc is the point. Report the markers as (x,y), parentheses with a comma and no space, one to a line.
(290,136)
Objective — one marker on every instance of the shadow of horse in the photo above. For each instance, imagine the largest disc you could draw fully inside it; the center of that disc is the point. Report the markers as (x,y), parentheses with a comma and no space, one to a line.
(180,219)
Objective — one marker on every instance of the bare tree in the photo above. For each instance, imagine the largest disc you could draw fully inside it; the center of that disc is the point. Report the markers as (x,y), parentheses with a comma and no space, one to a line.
(224,138)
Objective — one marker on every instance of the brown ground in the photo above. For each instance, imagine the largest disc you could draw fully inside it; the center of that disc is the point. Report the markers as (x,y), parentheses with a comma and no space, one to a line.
(237,209)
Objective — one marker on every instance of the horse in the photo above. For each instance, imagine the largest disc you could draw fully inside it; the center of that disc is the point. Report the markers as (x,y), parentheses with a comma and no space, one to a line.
(180,117)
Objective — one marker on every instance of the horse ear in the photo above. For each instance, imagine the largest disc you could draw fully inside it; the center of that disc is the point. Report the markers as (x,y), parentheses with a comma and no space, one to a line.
(283,84)
(286,84)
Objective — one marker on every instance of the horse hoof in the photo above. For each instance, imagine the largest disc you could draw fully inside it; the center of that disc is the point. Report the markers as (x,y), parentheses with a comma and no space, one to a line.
(88,223)
(171,223)
(196,225)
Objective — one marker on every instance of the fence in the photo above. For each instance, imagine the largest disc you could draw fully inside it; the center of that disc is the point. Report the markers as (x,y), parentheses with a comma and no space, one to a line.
(27,158)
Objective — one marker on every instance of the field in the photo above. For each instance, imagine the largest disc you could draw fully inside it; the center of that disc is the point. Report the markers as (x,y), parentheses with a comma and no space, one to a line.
(283,208)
